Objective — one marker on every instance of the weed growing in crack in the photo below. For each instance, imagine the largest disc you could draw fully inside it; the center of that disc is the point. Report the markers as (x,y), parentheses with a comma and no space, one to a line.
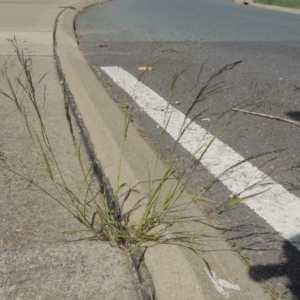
(93,207)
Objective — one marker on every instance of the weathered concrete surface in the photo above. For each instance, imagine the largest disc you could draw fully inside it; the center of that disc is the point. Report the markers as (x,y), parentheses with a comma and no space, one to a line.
(36,261)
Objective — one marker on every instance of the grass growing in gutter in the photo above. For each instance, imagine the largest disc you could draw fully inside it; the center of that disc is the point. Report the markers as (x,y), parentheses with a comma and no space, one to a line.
(103,218)
(285,3)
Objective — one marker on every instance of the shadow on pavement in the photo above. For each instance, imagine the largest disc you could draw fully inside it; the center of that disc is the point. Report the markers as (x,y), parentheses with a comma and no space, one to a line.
(290,269)
(295,115)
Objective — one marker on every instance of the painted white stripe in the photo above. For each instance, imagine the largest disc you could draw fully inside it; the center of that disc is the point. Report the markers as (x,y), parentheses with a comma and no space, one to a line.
(277,206)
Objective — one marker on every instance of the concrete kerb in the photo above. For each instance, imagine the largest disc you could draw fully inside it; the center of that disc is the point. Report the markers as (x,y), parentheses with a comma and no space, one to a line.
(146,288)
(177,273)
(265,6)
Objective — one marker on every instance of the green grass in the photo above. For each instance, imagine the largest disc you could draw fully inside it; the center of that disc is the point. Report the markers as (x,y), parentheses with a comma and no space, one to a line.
(102,217)
(285,3)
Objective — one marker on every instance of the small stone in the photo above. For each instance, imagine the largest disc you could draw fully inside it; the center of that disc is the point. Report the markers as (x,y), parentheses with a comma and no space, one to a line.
(231,243)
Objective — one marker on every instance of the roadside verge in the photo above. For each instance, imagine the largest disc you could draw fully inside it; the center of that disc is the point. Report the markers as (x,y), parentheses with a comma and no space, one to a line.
(271,7)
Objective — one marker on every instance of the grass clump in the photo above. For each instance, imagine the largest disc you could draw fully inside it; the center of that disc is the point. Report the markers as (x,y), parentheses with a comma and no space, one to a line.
(285,3)
(94,207)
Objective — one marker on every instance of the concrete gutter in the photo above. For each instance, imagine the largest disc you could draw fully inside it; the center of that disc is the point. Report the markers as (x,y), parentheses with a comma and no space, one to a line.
(176,271)
(271,7)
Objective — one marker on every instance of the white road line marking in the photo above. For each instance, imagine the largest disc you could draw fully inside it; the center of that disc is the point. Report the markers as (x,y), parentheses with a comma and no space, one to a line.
(277,206)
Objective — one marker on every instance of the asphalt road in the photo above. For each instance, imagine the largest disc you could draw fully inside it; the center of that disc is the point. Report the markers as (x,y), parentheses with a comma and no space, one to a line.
(179,20)
(165,34)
